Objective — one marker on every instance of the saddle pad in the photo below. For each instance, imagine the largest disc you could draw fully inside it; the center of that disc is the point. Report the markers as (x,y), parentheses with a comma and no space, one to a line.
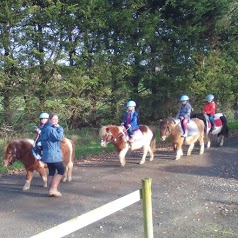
(192,128)
(137,135)
(218,122)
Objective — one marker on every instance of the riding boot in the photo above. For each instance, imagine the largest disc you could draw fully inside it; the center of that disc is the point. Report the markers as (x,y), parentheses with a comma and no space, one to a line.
(54,186)
(185,134)
(131,139)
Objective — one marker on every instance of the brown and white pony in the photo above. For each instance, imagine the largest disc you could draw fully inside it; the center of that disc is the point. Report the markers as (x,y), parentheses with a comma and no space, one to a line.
(21,149)
(117,136)
(221,129)
(172,128)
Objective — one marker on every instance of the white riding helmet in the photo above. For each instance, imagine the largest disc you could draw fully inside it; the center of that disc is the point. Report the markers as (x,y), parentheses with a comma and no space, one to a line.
(44,115)
(184,98)
(209,97)
(131,104)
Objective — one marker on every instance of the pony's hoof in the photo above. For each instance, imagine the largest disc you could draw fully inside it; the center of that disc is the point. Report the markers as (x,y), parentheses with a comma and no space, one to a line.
(142,162)
(64,179)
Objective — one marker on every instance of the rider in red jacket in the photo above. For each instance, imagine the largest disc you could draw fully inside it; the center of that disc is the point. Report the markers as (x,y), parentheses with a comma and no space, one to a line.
(210,109)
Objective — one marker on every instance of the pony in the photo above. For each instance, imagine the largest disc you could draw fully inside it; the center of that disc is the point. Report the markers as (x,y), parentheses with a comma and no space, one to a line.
(21,149)
(172,128)
(117,135)
(221,128)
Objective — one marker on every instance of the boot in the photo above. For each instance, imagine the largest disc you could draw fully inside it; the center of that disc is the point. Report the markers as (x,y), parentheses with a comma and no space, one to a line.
(131,139)
(54,186)
(185,134)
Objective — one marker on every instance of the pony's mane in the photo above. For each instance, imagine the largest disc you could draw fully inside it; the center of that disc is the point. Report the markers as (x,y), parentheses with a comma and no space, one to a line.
(30,141)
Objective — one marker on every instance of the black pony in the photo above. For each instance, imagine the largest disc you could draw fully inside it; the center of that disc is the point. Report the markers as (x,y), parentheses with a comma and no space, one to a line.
(221,129)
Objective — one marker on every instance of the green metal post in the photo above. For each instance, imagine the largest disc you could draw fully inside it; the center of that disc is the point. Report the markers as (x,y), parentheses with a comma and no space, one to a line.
(147,207)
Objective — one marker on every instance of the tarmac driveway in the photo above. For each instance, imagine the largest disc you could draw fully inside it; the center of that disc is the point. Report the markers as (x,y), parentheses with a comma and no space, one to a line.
(196,196)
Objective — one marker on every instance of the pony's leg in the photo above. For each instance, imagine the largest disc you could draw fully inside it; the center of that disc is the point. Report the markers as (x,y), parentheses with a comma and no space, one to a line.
(222,140)
(179,151)
(29,175)
(70,171)
(122,155)
(145,151)
(190,149)
(151,154)
(42,172)
(66,172)
(208,142)
(201,148)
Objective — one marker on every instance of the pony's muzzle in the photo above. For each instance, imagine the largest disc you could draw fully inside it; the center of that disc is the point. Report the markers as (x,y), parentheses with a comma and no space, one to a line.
(103,143)
(162,138)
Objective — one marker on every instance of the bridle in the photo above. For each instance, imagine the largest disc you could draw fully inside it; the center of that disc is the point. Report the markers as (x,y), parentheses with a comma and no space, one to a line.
(14,157)
(167,129)
(109,134)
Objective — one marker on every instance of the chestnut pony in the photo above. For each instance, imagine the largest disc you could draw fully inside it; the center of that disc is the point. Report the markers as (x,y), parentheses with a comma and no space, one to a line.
(172,128)
(21,149)
(117,136)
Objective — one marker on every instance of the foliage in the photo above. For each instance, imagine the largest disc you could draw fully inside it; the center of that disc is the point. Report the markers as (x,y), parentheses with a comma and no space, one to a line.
(86,60)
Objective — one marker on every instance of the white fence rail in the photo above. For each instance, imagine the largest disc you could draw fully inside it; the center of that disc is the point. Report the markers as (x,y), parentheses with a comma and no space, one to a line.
(106,210)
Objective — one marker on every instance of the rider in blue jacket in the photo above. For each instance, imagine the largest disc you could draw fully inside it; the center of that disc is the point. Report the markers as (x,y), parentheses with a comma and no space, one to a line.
(130,120)
(184,113)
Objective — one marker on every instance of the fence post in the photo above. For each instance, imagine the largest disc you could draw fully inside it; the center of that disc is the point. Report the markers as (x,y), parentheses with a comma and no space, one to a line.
(147,207)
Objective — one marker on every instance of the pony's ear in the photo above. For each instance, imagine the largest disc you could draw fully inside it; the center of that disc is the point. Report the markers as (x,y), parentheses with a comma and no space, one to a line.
(107,129)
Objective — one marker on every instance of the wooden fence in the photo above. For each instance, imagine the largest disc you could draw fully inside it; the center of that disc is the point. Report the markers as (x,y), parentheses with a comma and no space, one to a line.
(106,210)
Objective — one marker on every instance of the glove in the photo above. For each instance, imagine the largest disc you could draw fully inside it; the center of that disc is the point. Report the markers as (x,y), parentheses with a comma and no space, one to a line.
(129,125)
(122,124)
(181,118)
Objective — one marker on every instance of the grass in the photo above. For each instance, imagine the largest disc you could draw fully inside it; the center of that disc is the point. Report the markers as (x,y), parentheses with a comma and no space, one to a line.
(86,144)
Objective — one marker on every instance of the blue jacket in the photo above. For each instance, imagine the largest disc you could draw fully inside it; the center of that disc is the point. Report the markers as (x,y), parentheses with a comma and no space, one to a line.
(50,141)
(134,120)
(184,111)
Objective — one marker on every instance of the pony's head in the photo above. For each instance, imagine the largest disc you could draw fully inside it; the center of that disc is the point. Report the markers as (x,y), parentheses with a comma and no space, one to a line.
(109,134)
(166,127)
(15,149)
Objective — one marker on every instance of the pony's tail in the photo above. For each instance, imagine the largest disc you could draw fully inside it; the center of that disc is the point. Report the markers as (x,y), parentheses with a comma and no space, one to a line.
(225,129)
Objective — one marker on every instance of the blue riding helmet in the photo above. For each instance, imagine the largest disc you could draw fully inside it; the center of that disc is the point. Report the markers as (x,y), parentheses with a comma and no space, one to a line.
(131,104)
(209,97)
(44,115)
(184,98)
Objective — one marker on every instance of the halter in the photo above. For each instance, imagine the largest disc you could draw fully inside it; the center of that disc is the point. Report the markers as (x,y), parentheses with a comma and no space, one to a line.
(14,157)
(113,139)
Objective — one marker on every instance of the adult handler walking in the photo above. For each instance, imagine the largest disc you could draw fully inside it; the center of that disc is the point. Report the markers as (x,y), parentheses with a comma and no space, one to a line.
(51,135)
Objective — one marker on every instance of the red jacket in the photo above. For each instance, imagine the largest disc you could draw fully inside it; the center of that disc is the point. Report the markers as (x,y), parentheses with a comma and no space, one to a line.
(209,108)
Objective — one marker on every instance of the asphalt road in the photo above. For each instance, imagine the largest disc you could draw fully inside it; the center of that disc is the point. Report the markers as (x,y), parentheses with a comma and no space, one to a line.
(196,196)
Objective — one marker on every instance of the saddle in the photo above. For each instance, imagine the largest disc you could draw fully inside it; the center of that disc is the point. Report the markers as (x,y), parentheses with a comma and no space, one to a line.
(217,120)
(192,127)
(138,135)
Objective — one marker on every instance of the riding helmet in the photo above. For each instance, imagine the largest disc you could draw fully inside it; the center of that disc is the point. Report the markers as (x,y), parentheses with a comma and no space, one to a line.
(184,98)
(209,97)
(131,104)
(44,115)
